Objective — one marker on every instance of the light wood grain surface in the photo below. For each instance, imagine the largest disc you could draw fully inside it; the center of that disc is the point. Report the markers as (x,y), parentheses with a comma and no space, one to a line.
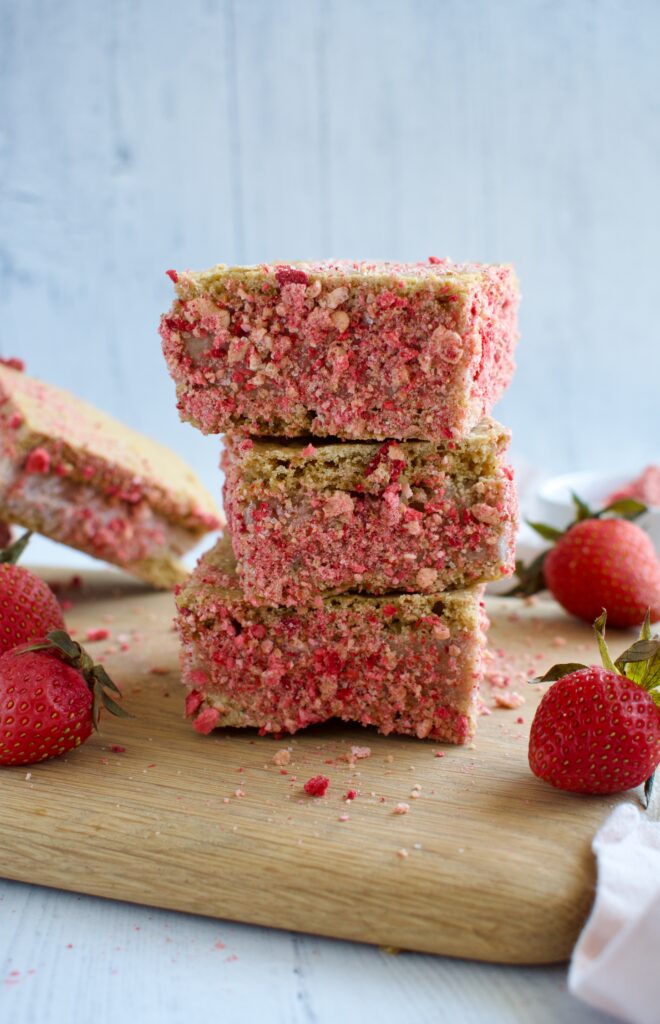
(499,866)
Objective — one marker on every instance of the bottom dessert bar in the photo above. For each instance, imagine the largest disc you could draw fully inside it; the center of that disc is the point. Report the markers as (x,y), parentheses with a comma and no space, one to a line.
(405,663)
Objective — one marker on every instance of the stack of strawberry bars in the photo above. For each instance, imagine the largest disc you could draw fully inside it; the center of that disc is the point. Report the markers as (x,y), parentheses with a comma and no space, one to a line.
(366,491)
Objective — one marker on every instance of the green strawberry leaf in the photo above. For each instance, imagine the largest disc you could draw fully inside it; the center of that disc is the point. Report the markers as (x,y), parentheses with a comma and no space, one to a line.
(113,707)
(12,554)
(558,672)
(605,656)
(625,508)
(545,531)
(582,510)
(638,662)
(531,579)
(102,677)
(652,675)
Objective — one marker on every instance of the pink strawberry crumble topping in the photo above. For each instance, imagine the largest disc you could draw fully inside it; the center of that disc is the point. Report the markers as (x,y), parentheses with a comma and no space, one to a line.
(78,476)
(415,671)
(343,349)
(645,488)
(359,517)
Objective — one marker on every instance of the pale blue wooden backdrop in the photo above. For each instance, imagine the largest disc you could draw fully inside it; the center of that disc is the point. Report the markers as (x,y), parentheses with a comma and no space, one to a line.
(143,134)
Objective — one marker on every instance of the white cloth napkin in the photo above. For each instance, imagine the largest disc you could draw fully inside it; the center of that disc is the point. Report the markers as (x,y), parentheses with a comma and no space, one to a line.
(615,965)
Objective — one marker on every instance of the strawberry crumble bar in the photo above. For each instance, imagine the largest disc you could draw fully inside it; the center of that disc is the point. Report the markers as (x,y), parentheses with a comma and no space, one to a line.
(79,477)
(645,488)
(405,663)
(342,349)
(416,516)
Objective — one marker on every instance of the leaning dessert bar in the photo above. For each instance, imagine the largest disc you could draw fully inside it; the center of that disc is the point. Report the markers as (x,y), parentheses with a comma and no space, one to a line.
(416,516)
(79,477)
(342,349)
(403,663)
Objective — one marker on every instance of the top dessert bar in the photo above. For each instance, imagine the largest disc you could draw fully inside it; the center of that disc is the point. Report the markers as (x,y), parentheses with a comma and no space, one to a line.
(80,477)
(340,349)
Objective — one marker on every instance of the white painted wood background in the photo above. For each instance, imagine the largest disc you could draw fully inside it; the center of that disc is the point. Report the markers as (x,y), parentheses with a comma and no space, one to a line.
(67,959)
(143,134)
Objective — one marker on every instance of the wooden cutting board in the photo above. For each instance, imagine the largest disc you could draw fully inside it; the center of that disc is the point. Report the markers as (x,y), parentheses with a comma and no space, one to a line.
(488,862)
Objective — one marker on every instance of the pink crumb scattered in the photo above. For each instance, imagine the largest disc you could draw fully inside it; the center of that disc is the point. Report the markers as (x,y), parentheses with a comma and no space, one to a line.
(401,808)
(360,752)
(343,817)
(439,753)
(520,720)
(317,785)
(116,749)
(402,853)
(282,757)
(559,641)
(93,635)
(351,795)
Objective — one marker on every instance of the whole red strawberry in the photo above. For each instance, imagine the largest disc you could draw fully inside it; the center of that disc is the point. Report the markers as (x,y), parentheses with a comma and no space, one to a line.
(50,699)
(605,563)
(28,607)
(598,563)
(597,730)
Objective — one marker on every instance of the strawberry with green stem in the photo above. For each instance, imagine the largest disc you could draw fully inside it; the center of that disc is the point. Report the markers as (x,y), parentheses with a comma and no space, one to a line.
(51,696)
(602,560)
(597,729)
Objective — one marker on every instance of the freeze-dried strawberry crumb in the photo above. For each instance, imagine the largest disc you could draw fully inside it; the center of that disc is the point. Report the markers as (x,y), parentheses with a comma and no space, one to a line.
(93,635)
(282,757)
(401,808)
(351,795)
(193,700)
(13,363)
(116,749)
(206,720)
(38,461)
(173,276)
(360,752)
(317,785)
(289,275)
